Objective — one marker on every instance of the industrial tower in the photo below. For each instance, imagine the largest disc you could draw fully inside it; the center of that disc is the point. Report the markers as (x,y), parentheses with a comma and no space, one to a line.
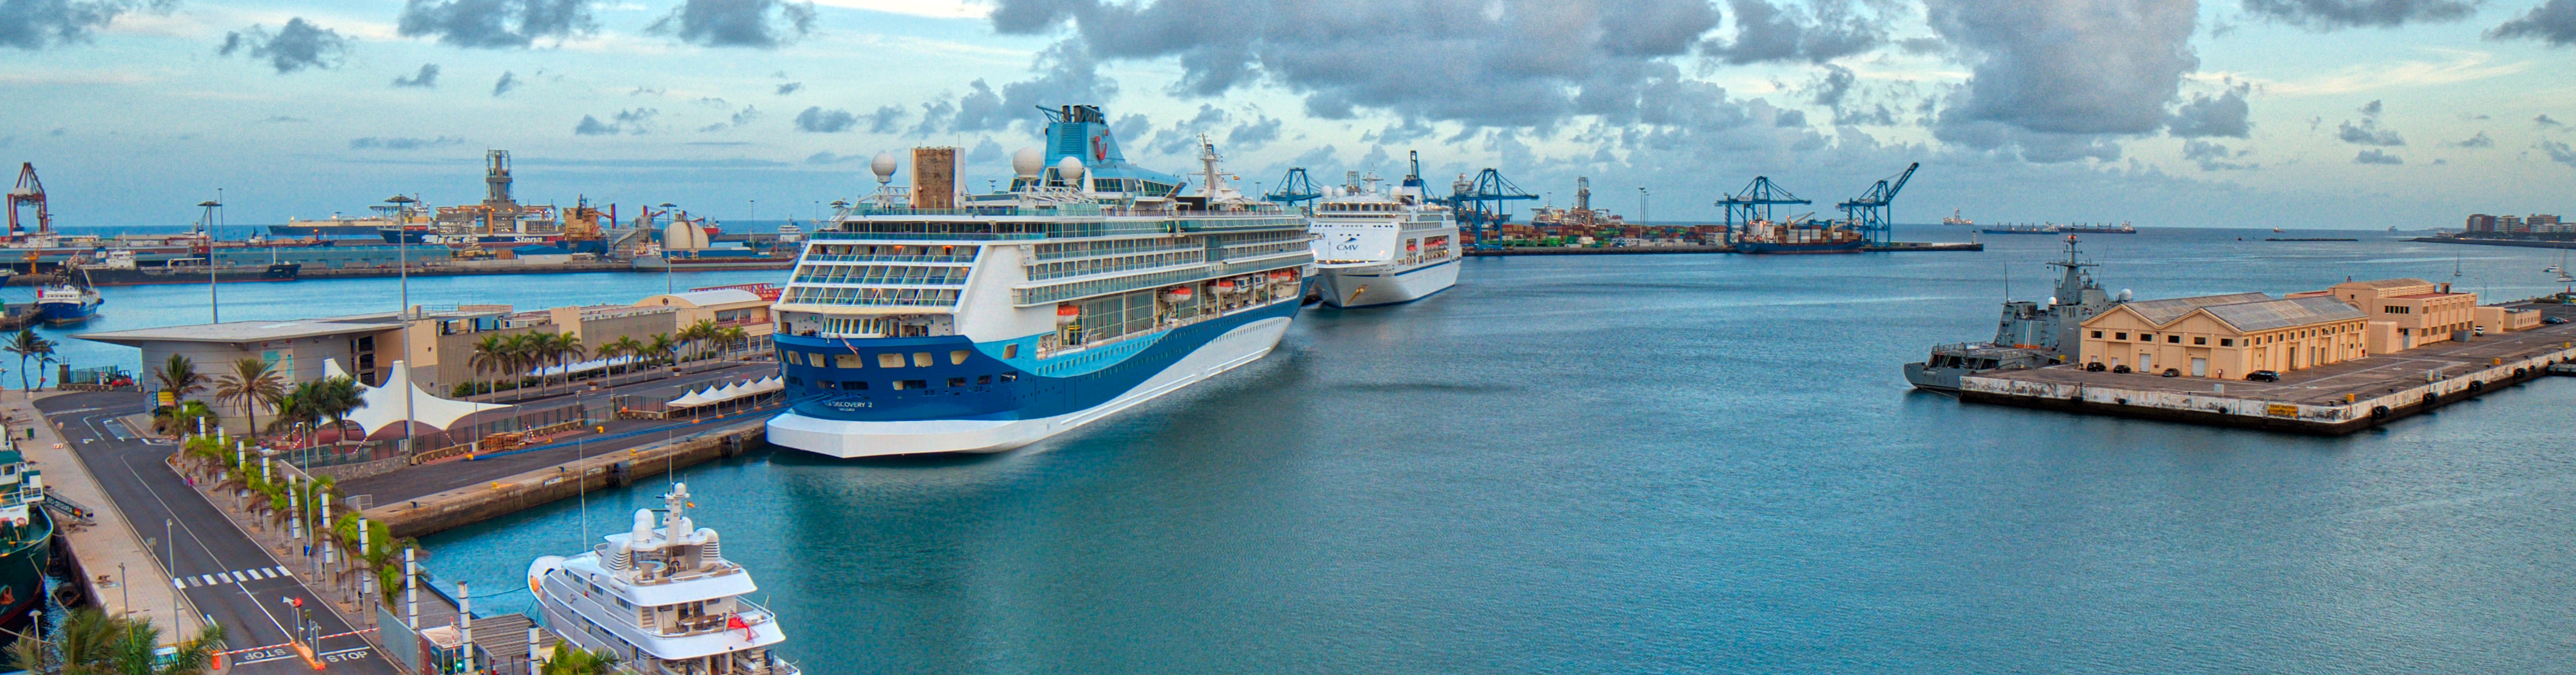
(1872,212)
(1754,202)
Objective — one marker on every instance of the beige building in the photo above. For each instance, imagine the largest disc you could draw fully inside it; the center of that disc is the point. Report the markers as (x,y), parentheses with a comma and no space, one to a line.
(2224,336)
(2417,312)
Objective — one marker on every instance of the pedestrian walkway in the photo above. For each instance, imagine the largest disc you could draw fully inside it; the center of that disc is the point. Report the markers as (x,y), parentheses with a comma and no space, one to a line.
(232,577)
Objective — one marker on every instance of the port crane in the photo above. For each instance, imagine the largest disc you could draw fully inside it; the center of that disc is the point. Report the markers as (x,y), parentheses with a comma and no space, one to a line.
(1480,202)
(30,192)
(1294,187)
(1754,202)
(1872,213)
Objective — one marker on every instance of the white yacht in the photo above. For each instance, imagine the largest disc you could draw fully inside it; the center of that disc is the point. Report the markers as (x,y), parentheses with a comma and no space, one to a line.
(663,601)
(1376,247)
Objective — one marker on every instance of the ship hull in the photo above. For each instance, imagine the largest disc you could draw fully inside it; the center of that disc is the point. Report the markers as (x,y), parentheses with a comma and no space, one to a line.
(1767,248)
(22,570)
(158,276)
(1348,288)
(654,264)
(1042,406)
(66,312)
(1945,380)
(325,231)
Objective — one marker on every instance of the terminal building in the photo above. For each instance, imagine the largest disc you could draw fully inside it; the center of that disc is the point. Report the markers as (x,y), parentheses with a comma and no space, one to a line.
(2228,336)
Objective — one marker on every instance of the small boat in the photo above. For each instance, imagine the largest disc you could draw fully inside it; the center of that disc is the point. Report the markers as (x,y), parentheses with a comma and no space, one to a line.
(66,303)
(661,600)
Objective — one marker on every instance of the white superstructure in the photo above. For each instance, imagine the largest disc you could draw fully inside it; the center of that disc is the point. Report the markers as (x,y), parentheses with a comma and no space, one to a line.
(663,600)
(1375,247)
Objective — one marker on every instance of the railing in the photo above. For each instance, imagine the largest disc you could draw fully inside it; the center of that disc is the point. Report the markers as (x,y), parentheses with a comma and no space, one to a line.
(819,257)
(1129,267)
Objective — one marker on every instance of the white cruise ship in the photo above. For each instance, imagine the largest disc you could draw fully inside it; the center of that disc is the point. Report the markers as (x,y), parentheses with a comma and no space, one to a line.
(663,601)
(924,320)
(1379,248)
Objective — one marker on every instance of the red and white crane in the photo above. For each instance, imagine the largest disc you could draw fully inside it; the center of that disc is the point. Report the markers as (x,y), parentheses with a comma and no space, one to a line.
(29,191)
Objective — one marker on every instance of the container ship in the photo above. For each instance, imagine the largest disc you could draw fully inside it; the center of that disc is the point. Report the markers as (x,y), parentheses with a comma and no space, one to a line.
(1380,248)
(1799,235)
(924,320)
(2122,228)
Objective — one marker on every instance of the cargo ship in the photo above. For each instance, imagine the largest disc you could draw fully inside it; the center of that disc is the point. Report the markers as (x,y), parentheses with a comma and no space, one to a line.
(2021,229)
(1954,219)
(1799,235)
(1380,248)
(2123,228)
(123,267)
(926,321)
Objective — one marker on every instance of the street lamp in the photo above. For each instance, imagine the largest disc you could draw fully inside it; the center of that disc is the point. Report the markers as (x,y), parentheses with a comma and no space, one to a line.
(402,248)
(1642,218)
(667,286)
(214,306)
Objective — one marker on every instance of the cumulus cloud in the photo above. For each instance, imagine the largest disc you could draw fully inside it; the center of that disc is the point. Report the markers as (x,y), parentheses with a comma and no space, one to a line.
(2337,14)
(985,151)
(1789,118)
(1501,63)
(1253,134)
(427,78)
(37,24)
(1067,74)
(2056,81)
(2374,156)
(2205,116)
(1768,32)
(818,120)
(2367,132)
(887,119)
(393,143)
(1183,136)
(2479,141)
(762,24)
(2558,152)
(508,81)
(633,121)
(2214,157)
(829,157)
(740,117)
(2544,122)
(496,24)
(790,88)
(297,46)
(2553,23)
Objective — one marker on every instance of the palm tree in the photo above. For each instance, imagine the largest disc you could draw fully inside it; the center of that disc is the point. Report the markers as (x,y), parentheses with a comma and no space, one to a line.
(91,642)
(178,375)
(299,405)
(625,345)
(700,333)
(734,339)
(663,346)
(490,354)
(567,350)
(251,384)
(571,660)
(515,352)
(27,346)
(339,396)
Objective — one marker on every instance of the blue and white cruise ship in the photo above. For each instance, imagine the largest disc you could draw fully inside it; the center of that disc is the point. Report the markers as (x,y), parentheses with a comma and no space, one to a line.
(924,320)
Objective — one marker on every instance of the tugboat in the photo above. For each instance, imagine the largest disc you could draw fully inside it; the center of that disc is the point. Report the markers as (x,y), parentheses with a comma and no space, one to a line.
(1376,248)
(67,303)
(2030,334)
(661,600)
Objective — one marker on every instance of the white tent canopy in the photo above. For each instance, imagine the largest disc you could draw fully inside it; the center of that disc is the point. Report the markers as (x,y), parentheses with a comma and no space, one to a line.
(715,395)
(385,404)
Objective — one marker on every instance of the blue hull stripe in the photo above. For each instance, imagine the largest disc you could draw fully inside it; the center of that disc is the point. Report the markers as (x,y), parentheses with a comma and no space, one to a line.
(1084,380)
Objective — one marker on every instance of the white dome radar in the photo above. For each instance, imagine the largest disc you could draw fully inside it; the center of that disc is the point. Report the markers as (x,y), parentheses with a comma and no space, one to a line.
(883,165)
(2124,295)
(1027,162)
(1069,169)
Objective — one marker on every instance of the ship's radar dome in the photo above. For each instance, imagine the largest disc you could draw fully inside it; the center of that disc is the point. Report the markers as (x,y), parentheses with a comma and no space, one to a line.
(2124,295)
(1069,169)
(1027,162)
(883,165)
(2052,301)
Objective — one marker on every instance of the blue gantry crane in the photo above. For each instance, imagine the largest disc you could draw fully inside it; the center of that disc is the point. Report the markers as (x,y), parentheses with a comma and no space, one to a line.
(1294,187)
(1872,212)
(1754,202)
(1481,203)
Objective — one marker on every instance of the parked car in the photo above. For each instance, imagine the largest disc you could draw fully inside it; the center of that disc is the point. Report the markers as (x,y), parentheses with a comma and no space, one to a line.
(2263,376)
(2119,369)
(2553,320)
(2173,372)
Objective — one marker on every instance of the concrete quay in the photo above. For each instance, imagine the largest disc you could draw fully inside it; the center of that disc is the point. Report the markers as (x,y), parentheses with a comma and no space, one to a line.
(2333,399)
(144,590)
(1892,247)
(458,507)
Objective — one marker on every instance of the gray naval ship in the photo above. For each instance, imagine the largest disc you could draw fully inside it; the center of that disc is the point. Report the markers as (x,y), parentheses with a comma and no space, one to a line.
(2029,336)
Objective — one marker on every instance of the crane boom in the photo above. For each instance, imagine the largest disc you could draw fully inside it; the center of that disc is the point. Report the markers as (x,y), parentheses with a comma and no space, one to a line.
(29,191)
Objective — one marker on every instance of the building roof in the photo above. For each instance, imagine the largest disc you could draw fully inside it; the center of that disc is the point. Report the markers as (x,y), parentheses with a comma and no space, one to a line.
(2161,312)
(2270,314)
(714,296)
(249,331)
(2384,284)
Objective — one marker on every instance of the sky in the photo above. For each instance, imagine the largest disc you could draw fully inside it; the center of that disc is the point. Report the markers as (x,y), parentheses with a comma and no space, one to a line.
(2351,114)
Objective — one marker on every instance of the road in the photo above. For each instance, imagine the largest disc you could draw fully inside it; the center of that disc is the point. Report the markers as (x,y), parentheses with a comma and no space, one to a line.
(229,577)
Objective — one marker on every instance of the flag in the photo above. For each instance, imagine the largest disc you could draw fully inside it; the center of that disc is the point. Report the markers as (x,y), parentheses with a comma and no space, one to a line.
(734,620)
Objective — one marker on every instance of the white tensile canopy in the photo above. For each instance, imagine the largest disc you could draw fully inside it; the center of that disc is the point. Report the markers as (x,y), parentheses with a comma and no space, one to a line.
(385,403)
(715,395)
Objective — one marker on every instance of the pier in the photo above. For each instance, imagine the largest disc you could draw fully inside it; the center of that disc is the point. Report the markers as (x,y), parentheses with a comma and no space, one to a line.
(1894,247)
(2331,399)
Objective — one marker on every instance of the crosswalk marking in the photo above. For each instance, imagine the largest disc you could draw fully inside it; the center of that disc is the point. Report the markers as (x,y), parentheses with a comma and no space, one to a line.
(231,577)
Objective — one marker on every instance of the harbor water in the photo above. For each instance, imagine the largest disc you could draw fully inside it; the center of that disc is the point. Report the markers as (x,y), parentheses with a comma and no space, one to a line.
(1623,464)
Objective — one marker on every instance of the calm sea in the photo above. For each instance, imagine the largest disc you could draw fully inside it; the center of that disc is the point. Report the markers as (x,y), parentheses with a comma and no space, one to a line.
(1642,464)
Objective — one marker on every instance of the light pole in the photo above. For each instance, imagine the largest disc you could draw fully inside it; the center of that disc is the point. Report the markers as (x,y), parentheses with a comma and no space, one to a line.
(214,306)
(667,287)
(402,248)
(1642,217)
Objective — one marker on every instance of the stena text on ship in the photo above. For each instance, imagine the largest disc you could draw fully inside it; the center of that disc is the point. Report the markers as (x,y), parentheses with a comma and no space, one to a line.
(927,320)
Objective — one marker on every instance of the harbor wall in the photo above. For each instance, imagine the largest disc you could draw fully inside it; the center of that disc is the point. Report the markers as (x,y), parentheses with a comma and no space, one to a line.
(2218,408)
(476,503)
